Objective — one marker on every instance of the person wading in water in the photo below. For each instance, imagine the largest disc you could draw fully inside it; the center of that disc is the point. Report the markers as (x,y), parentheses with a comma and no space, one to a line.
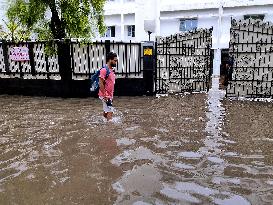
(106,85)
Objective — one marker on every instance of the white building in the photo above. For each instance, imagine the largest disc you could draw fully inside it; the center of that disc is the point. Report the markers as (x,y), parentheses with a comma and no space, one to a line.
(126,19)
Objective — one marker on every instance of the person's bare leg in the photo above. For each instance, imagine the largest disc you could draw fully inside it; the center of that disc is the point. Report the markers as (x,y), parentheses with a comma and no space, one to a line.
(109,116)
(105,114)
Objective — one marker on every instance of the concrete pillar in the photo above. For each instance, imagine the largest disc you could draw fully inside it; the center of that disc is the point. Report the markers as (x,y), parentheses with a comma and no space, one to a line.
(152,13)
(122,27)
(216,62)
(217,52)
(122,37)
(139,21)
(157,18)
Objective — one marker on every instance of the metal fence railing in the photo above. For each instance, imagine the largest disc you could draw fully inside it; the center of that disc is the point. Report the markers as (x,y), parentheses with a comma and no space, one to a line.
(85,60)
(39,65)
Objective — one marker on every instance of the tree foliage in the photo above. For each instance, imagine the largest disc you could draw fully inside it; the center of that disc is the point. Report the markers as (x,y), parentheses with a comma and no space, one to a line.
(58,19)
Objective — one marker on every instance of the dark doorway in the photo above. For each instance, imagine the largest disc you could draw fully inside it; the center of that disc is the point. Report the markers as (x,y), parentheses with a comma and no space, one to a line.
(223,68)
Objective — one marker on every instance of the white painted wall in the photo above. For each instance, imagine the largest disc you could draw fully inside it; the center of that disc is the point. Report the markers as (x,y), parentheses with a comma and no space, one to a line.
(209,18)
(167,13)
(129,19)
(115,7)
(112,20)
(268,17)
(169,26)
(149,10)
(173,5)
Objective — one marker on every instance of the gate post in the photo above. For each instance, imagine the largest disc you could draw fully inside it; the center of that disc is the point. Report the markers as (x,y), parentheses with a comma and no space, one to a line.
(31,58)
(64,59)
(65,66)
(6,56)
(148,66)
(107,47)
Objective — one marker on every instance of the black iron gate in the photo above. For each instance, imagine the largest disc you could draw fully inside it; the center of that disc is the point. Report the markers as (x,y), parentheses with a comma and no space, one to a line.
(183,62)
(251,47)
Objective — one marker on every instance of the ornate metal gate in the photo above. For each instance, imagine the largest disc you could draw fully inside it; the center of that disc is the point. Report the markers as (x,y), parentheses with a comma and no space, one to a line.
(251,46)
(183,62)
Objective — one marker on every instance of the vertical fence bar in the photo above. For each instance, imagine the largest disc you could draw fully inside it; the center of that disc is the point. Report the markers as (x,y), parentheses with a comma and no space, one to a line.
(139,59)
(135,60)
(93,54)
(107,46)
(118,65)
(88,60)
(31,58)
(130,59)
(47,67)
(156,66)
(21,66)
(6,56)
(125,60)
(98,52)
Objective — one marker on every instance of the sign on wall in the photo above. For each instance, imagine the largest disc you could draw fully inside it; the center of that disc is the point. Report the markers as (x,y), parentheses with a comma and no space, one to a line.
(148,52)
(19,54)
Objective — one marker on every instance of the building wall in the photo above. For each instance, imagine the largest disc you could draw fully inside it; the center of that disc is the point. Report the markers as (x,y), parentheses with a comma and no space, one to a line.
(167,14)
(169,27)
(129,19)
(112,20)
(268,17)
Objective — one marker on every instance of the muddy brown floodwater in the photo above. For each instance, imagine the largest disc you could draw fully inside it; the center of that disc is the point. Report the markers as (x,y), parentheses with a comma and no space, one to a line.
(190,149)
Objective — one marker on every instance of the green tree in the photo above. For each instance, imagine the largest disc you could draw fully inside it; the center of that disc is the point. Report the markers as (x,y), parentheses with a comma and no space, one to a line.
(2,33)
(58,19)
(14,32)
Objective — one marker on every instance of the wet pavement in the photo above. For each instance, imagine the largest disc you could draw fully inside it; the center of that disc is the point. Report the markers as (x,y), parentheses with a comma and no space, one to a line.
(190,149)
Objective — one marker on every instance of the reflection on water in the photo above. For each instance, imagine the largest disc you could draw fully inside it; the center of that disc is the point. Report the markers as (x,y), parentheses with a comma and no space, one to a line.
(139,183)
(190,149)
(185,191)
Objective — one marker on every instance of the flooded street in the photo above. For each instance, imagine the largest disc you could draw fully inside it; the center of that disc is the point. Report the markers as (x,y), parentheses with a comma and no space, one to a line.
(190,149)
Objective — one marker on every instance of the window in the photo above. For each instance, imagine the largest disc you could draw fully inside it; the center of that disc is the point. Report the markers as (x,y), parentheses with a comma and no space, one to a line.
(254,16)
(187,24)
(131,30)
(110,31)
